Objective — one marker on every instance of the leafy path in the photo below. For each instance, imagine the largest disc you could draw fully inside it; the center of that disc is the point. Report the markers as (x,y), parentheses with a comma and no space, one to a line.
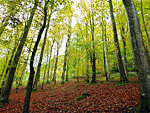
(70,98)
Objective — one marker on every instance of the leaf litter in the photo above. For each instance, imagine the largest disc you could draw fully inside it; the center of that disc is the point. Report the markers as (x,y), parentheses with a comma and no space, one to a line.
(74,97)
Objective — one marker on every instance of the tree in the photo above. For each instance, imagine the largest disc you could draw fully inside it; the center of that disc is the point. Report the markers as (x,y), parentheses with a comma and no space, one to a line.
(7,86)
(91,16)
(30,81)
(66,51)
(56,62)
(141,56)
(37,77)
(123,78)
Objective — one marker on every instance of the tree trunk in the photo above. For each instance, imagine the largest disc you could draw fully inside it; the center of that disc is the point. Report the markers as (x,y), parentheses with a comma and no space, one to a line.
(104,57)
(93,47)
(8,66)
(78,69)
(55,69)
(74,66)
(52,67)
(144,22)
(8,83)
(44,76)
(5,65)
(106,53)
(123,78)
(141,57)
(44,72)
(124,49)
(37,77)
(65,59)
(49,62)
(67,67)
(25,65)
(30,81)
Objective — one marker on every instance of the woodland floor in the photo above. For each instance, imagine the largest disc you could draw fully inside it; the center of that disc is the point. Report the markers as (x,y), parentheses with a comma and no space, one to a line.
(74,97)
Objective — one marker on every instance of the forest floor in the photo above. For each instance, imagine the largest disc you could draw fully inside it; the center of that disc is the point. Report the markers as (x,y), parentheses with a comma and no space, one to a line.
(77,97)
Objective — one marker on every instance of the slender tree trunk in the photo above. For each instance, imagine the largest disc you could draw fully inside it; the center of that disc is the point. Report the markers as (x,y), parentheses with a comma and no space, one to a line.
(52,68)
(44,72)
(141,57)
(78,69)
(104,57)
(93,47)
(67,67)
(55,69)
(44,77)
(74,66)
(66,52)
(124,49)
(48,72)
(37,77)
(8,66)
(106,53)
(65,59)
(16,76)
(123,78)
(8,83)
(5,63)
(86,56)
(25,65)
(30,81)
(144,22)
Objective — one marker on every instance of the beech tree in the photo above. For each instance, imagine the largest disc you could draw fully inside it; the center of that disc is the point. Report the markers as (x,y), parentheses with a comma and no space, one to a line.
(30,81)
(37,77)
(7,86)
(123,78)
(141,56)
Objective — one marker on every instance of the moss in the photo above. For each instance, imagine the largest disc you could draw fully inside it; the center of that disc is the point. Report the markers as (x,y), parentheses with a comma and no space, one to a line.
(35,102)
(84,95)
(106,82)
(144,105)
(62,82)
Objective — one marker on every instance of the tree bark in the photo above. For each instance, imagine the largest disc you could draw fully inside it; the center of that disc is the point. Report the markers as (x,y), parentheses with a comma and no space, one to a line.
(30,81)
(124,49)
(44,77)
(104,52)
(49,62)
(8,83)
(93,47)
(144,22)
(37,77)
(55,69)
(78,69)
(141,57)
(67,70)
(44,72)
(25,65)
(65,59)
(107,58)
(123,78)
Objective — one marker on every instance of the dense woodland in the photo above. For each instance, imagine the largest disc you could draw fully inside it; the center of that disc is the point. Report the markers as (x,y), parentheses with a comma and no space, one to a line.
(57,41)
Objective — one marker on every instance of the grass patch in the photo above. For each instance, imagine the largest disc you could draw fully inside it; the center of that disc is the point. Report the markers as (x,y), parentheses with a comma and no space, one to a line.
(35,102)
(1,106)
(84,95)
(106,82)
